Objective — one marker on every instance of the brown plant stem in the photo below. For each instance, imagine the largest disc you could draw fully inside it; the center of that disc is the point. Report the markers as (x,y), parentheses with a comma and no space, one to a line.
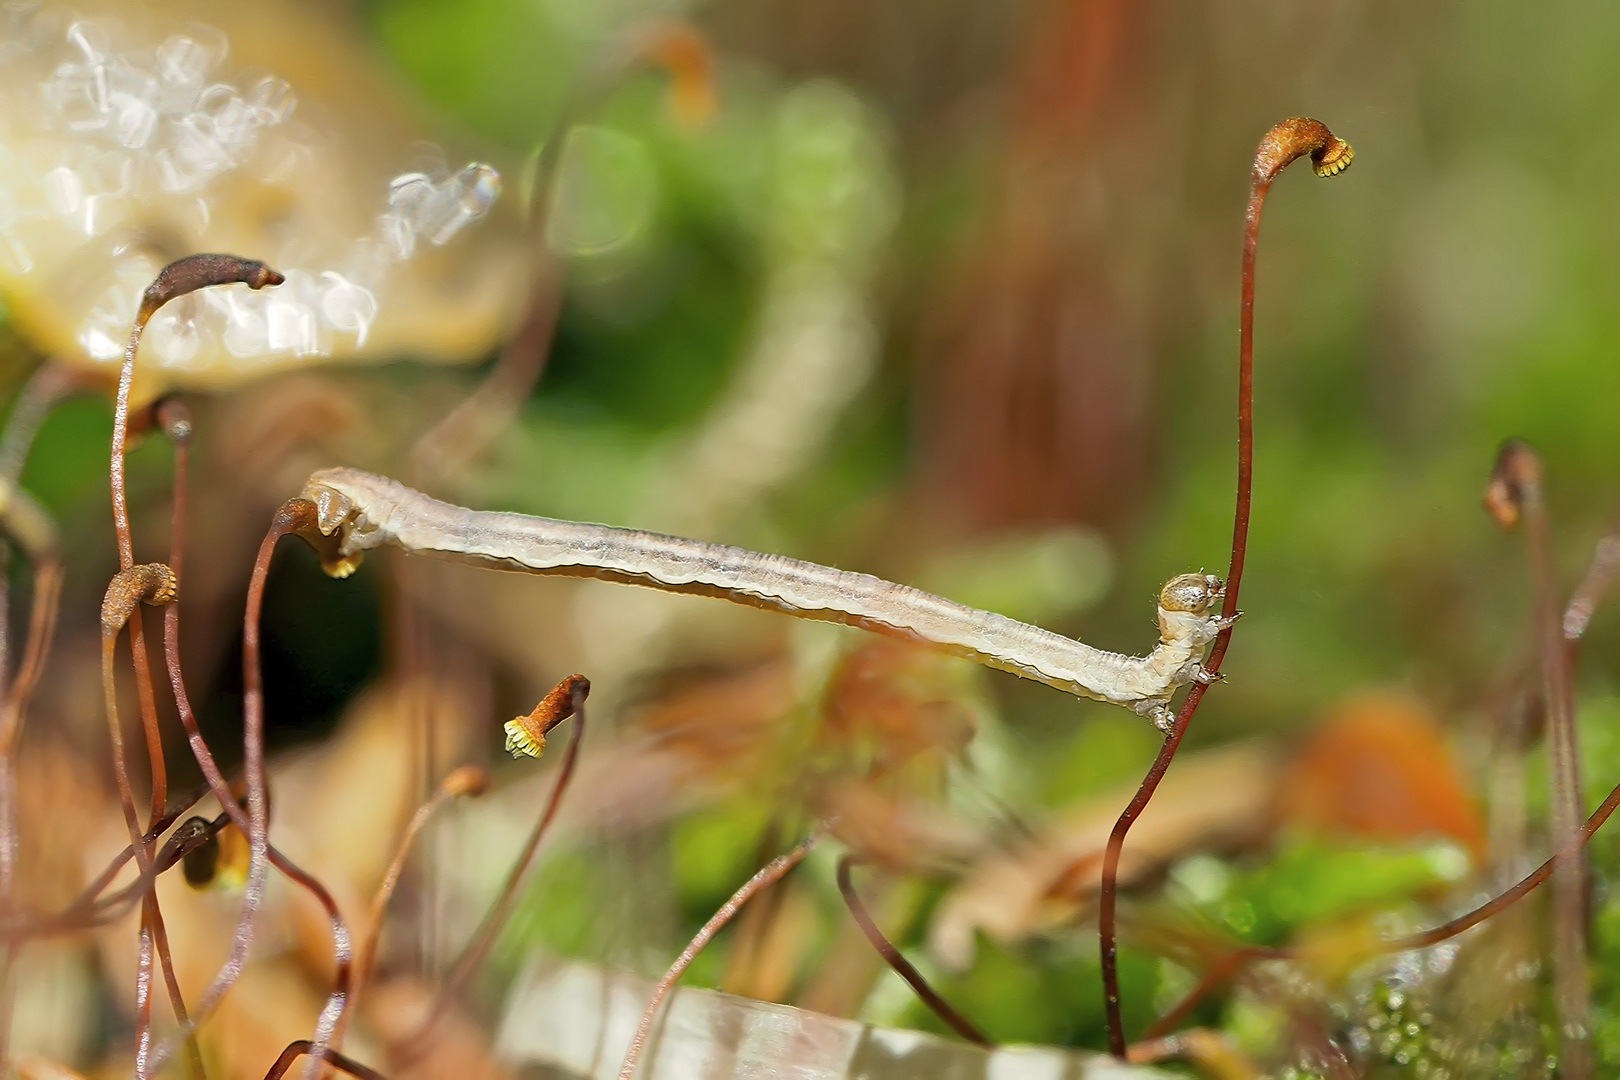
(88,897)
(1282,145)
(1515,494)
(467,780)
(767,876)
(1594,586)
(753,931)
(51,382)
(1202,1047)
(126,559)
(1222,970)
(469,427)
(175,420)
(298,1049)
(567,699)
(294,516)
(26,522)
(90,909)
(1233,961)
(143,994)
(150,583)
(903,967)
(149,719)
(473,424)
(160,940)
(176,279)
(30,526)
(342,957)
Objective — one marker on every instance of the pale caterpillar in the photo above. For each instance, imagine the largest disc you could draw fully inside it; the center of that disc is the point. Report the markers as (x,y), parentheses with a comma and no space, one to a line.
(359,510)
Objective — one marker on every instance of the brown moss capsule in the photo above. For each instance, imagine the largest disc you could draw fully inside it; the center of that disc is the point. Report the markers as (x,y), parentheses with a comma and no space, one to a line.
(526,735)
(1516,474)
(153,584)
(1293,139)
(200,864)
(195,272)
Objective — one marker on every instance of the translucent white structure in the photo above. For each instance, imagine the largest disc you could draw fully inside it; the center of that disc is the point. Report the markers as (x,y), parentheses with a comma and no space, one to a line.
(579,1018)
(131,135)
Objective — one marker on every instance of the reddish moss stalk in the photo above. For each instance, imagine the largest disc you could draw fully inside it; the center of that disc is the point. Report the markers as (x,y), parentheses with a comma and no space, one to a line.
(1233,962)
(150,584)
(27,523)
(768,875)
(1515,494)
(177,279)
(1282,145)
(294,516)
(903,967)
(301,1047)
(467,780)
(567,699)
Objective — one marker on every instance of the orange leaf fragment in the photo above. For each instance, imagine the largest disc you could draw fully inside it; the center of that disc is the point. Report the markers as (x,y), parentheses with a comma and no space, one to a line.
(1378,766)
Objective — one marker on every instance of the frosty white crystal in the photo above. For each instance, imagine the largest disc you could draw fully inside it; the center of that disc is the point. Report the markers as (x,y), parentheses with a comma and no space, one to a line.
(130,137)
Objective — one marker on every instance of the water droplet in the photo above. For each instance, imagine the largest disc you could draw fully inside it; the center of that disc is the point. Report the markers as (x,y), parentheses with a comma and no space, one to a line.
(110,174)
(184,62)
(173,340)
(78,93)
(90,40)
(102,334)
(348,307)
(246,335)
(197,156)
(409,196)
(64,190)
(466,198)
(395,237)
(409,193)
(127,118)
(228,119)
(133,119)
(289,327)
(272,100)
(14,256)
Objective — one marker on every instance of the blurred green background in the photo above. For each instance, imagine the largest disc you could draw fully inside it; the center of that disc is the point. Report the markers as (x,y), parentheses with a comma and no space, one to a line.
(1056,302)
(1056,306)
(962,279)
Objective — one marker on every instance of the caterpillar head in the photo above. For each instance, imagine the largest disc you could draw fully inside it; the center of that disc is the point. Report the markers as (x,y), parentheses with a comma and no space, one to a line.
(1193,594)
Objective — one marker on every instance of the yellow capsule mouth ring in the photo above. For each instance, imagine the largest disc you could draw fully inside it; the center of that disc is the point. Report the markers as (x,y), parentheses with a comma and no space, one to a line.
(1333,158)
(520,742)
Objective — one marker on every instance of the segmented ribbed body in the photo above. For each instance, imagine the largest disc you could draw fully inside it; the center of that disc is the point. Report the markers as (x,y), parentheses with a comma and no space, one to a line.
(373,511)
